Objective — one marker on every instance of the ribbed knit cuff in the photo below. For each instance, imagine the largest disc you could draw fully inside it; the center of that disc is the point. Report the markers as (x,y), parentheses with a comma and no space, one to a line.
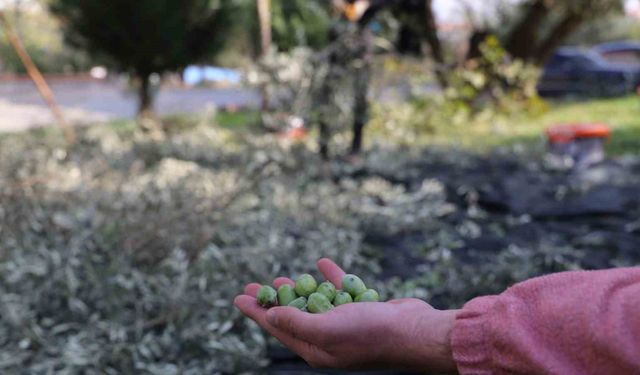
(470,338)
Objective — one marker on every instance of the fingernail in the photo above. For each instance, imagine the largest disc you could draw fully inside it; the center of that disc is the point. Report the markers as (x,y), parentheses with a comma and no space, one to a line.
(236,300)
(271,318)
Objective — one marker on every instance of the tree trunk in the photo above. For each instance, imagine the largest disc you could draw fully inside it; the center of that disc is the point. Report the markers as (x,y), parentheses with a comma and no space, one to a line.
(431,35)
(419,19)
(356,142)
(325,137)
(360,108)
(145,99)
(524,37)
(264,16)
(557,36)
(475,42)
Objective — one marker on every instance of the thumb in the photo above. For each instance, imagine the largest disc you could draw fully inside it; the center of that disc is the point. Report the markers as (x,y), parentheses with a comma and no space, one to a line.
(296,323)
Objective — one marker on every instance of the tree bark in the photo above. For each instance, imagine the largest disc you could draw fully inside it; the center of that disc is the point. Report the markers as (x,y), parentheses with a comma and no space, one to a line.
(475,42)
(325,137)
(264,16)
(524,37)
(145,99)
(356,142)
(569,24)
(360,108)
(420,19)
(431,35)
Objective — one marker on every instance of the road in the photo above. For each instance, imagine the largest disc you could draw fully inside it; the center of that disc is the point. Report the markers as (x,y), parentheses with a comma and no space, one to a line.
(90,101)
(86,101)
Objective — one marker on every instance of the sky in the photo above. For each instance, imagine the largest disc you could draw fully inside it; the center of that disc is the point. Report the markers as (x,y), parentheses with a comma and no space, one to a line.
(452,10)
(446,9)
(633,5)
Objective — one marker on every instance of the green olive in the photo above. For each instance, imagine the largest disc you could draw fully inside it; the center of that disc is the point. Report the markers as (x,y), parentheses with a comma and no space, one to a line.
(369,296)
(342,298)
(328,289)
(286,294)
(353,285)
(299,303)
(306,285)
(267,297)
(318,303)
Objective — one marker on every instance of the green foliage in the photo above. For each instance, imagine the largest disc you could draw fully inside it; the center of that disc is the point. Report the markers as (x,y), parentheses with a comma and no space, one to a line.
(447,281)
(136,271)
(592,8)
(61,60)
(148,36)
(300,23)
(495,82)
(607,29)
(491,89)
(42,38)
(290,79)
(294,24)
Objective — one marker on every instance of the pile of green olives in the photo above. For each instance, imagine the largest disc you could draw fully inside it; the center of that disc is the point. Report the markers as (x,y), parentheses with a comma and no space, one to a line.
(308,296)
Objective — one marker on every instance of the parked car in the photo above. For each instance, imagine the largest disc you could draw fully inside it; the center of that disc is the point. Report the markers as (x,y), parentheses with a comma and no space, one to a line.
(578,72)
(625,52)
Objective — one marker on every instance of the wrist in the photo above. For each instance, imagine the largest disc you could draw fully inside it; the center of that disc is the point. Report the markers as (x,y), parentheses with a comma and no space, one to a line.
(433,337)
(446,331)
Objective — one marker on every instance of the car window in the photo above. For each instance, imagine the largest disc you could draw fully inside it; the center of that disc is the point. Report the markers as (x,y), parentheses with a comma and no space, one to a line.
(583,62)
(624,57)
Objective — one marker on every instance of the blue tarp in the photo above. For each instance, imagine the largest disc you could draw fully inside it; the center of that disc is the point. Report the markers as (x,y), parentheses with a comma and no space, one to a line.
(195,75)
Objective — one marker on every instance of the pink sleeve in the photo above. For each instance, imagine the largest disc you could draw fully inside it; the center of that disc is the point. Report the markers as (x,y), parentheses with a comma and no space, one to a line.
(567,323)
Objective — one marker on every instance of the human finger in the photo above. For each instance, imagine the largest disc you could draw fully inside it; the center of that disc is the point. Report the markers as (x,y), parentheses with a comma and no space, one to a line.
(249,307)
(400,301)
(303,326)
(252,289)
(280,281)
(331,271)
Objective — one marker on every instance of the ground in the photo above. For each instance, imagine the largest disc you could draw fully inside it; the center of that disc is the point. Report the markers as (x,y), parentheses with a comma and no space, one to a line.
(122,253)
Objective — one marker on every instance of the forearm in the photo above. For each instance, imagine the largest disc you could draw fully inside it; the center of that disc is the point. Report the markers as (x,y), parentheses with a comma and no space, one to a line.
(570,323)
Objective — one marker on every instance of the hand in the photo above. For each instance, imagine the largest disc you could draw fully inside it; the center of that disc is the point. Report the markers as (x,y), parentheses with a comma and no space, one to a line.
(407,333)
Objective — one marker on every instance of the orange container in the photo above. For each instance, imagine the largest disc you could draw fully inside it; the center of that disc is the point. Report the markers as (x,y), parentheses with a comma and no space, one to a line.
(580,145)
(567,133)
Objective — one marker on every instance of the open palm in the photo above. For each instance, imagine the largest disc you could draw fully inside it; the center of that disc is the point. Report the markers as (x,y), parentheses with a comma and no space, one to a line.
(405,333)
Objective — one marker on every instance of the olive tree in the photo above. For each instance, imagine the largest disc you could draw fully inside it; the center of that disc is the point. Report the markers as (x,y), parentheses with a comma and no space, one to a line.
(543,25)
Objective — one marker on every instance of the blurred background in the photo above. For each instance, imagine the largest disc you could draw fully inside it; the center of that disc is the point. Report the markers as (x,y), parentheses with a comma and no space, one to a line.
(158,155)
